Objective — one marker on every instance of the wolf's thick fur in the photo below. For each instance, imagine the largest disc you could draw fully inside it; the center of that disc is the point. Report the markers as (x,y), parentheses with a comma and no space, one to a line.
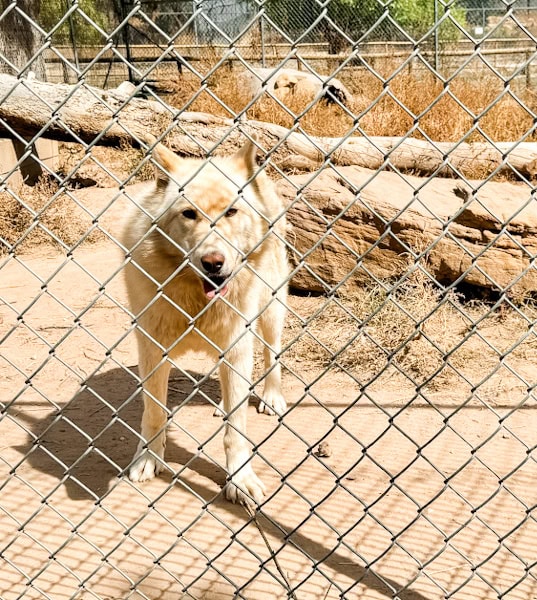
(208,265)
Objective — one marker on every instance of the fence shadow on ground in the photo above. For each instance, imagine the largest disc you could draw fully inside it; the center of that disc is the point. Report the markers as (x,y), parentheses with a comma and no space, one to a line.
(96,441)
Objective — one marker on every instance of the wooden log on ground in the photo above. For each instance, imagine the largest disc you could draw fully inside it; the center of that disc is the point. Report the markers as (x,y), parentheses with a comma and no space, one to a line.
(352,228)
(111,117)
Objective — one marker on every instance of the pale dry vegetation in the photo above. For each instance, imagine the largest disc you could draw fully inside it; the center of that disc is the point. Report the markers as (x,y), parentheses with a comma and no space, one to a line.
(105,167)
(48,214)
(42,214)
(415,102)
(416,331)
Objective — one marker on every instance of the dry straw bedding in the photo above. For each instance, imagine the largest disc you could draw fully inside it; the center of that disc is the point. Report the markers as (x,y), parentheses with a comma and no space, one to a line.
(417,333)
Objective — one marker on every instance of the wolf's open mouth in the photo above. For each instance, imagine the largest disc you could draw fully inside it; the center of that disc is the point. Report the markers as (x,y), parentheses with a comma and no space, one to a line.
(215,285)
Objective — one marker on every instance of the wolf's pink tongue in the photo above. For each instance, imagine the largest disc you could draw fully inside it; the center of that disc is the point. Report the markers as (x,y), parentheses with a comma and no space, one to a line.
(211,291)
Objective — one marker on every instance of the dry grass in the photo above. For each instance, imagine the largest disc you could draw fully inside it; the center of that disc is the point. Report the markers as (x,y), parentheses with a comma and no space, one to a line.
(107,167)
(413,330)
(362,332)
(410,100)
(42,215)
(45,215)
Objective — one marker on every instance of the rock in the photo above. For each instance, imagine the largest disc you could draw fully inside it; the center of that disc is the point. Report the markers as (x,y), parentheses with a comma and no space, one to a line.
(351,226)
(324,450)
(296,162)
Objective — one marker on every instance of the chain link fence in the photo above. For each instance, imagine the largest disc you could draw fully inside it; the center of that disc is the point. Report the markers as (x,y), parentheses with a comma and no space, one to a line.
(400,138)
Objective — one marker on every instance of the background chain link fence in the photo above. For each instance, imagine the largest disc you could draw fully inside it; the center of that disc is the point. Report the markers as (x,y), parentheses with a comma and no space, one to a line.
(401,137)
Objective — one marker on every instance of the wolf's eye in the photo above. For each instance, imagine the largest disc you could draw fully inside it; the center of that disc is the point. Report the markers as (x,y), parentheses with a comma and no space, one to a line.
(189,214)
(230,212)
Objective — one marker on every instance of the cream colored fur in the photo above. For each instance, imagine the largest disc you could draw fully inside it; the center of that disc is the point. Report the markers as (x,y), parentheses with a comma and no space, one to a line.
(173,311)
(286,84)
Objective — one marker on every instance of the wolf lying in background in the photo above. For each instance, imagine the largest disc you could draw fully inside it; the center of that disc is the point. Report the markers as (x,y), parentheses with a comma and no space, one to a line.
(208,264)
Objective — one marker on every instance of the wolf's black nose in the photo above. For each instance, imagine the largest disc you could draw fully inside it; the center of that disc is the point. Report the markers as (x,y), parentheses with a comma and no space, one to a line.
(212,262)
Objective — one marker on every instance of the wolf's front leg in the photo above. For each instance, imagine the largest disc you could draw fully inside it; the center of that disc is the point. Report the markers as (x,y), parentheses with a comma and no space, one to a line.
(235,377)
(271,324)
(154,373)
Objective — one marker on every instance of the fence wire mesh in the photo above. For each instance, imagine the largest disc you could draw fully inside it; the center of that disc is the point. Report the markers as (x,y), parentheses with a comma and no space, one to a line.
(399,138)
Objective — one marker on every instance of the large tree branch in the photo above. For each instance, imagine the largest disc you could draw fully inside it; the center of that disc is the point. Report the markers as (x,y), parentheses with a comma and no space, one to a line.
(110,117)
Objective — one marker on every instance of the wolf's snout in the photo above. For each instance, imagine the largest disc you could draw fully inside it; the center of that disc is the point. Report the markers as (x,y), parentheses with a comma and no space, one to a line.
(212,262)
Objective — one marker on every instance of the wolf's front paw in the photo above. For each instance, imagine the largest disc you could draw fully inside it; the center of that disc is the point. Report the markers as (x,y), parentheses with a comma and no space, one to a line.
(272,403)
(245,487)
(147,463)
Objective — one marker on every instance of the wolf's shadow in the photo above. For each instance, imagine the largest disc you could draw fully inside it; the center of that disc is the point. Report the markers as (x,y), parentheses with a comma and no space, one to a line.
(92,439)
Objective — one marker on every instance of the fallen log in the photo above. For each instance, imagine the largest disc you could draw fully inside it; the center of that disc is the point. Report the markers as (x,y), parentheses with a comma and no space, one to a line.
(351,227)
(112,117)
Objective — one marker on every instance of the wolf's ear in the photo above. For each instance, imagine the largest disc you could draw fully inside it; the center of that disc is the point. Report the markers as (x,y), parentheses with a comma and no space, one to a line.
(245,157)
(166,159)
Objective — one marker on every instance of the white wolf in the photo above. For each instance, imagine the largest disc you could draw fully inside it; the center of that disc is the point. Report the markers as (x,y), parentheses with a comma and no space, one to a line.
(208,266)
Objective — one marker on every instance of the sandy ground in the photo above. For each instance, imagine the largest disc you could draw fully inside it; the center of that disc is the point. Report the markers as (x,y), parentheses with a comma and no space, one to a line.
(418,500)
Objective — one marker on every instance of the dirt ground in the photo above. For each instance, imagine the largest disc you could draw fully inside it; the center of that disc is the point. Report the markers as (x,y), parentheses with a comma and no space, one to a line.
(426,493)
